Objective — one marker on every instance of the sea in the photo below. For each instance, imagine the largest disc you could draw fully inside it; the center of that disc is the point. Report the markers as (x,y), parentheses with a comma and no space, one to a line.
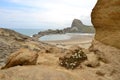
(28,32)
(51,37)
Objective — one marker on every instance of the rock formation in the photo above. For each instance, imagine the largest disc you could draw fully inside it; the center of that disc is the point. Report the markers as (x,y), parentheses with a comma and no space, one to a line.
(106,20)
(76,27)
(105,49)
(36,73)
(23,56)
(11,41)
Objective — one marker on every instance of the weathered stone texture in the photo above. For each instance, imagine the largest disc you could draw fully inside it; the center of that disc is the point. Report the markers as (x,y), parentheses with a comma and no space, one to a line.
(106,20)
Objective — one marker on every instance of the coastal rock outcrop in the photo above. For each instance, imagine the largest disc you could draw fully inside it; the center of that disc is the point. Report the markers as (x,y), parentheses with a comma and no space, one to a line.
(11,41)
(23,56)
(106,20)
(106,45)
(76,27)
(105,50)
(109,59)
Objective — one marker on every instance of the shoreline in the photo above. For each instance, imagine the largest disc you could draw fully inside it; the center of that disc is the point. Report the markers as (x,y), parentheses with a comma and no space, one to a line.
(83,41)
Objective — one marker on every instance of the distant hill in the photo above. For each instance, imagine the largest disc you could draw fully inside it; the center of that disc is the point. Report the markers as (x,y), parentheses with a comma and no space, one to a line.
(78,26)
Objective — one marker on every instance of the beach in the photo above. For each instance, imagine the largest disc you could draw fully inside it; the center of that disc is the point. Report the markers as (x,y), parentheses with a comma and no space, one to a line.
(83,41)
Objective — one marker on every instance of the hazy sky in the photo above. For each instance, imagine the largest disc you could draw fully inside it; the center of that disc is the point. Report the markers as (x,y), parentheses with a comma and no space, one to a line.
(44,13)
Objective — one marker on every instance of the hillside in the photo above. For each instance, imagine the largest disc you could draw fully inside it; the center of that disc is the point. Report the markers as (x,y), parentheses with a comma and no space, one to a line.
(78,26)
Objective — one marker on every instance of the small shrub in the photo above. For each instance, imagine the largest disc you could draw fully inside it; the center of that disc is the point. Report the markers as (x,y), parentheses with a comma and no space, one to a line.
(73,60)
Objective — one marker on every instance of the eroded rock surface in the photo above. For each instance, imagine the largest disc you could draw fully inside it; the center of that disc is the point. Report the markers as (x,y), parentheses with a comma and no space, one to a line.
(106,45)
(35,73)
(106,20)
(105,49)
(11,41)
(23,56)
(109,58)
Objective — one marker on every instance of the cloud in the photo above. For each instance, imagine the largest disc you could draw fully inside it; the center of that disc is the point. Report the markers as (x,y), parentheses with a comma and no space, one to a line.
(49,13)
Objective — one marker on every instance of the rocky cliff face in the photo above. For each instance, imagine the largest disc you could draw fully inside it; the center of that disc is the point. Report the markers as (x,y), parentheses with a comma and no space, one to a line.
(77,23)
(78,26)
(106,20)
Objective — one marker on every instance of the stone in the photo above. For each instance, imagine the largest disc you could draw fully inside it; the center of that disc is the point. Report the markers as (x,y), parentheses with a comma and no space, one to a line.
(92,60)
(106,20)
(21,57)
(106,44)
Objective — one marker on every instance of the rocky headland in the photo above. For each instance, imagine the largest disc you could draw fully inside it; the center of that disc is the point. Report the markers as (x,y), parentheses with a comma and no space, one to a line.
(100,62)
(76,27)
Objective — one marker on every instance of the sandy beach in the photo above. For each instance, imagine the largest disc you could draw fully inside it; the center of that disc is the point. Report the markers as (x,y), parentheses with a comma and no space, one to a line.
(83,41)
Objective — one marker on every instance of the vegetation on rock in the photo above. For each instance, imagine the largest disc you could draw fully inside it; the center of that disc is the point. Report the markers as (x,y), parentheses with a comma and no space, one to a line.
(74,60)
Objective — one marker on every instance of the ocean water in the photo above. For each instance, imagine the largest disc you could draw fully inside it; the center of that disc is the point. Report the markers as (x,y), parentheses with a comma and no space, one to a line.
(53,37)
(28,32)
(66,36)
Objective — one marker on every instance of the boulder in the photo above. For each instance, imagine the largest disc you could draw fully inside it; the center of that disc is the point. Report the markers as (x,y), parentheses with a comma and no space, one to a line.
(21,57)
(92,61)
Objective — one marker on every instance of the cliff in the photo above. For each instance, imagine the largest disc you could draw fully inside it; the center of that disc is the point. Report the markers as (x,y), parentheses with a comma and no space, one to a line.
(106,20)
(78,26)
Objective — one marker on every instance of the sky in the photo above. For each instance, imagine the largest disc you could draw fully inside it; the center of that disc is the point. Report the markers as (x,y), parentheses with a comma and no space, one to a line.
(47,14)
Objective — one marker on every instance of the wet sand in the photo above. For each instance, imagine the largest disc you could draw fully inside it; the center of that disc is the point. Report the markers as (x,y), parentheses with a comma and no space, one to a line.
(76,39)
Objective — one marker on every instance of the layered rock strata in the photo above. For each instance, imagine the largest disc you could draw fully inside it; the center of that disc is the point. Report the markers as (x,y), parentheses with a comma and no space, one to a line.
(106,20)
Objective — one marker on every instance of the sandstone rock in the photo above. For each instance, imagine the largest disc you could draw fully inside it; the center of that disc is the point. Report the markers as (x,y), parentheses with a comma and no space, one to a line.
(75,48)
(106,20)
(106,45)
(36,73)
(110,56)
(10,41)
(21,57)
(92,60)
